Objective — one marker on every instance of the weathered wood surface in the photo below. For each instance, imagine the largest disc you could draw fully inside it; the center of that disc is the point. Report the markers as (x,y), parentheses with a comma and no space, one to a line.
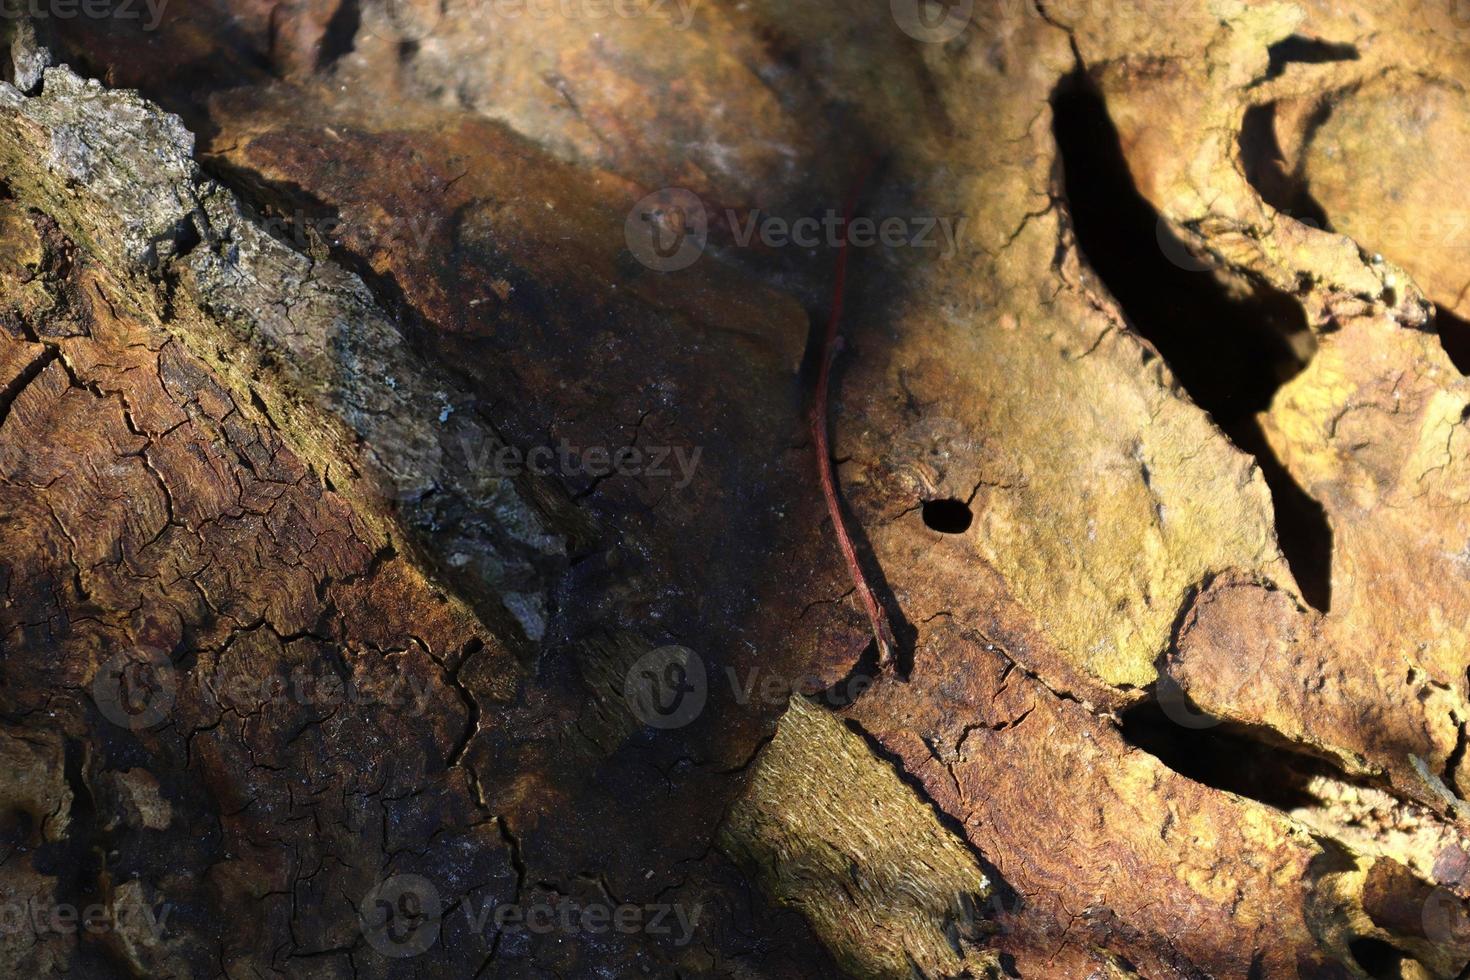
(1157,461)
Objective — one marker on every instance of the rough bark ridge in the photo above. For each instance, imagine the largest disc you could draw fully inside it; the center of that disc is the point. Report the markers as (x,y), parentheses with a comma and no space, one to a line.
(1158,463)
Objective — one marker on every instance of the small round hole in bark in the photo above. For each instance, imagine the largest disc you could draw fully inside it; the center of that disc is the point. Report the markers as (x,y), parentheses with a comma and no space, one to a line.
(947,516)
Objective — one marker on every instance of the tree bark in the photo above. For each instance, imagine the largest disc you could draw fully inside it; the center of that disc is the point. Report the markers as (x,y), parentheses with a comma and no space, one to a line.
(415,560)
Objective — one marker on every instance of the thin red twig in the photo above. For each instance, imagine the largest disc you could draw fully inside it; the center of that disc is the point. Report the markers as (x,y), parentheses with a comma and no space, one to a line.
(832,344)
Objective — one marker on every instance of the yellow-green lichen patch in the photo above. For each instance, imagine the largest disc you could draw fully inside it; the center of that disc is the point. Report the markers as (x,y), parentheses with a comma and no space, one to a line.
(830,830)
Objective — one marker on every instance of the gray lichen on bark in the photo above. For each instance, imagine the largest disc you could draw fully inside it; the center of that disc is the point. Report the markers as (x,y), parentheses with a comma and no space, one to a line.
(119,173)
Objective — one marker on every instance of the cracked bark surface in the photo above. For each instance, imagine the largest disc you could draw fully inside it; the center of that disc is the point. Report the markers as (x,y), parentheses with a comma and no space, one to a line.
(1186,697)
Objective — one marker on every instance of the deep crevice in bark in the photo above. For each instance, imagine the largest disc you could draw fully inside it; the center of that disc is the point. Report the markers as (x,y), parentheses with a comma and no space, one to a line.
(1454,336)
(1231,345)
(1379,959)
(1290,193)
(1300,49)
(341,34)
(1227,757)
(1265,168)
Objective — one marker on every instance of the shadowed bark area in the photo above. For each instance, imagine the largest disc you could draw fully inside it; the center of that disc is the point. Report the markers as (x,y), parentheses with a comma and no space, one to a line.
(414,562)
